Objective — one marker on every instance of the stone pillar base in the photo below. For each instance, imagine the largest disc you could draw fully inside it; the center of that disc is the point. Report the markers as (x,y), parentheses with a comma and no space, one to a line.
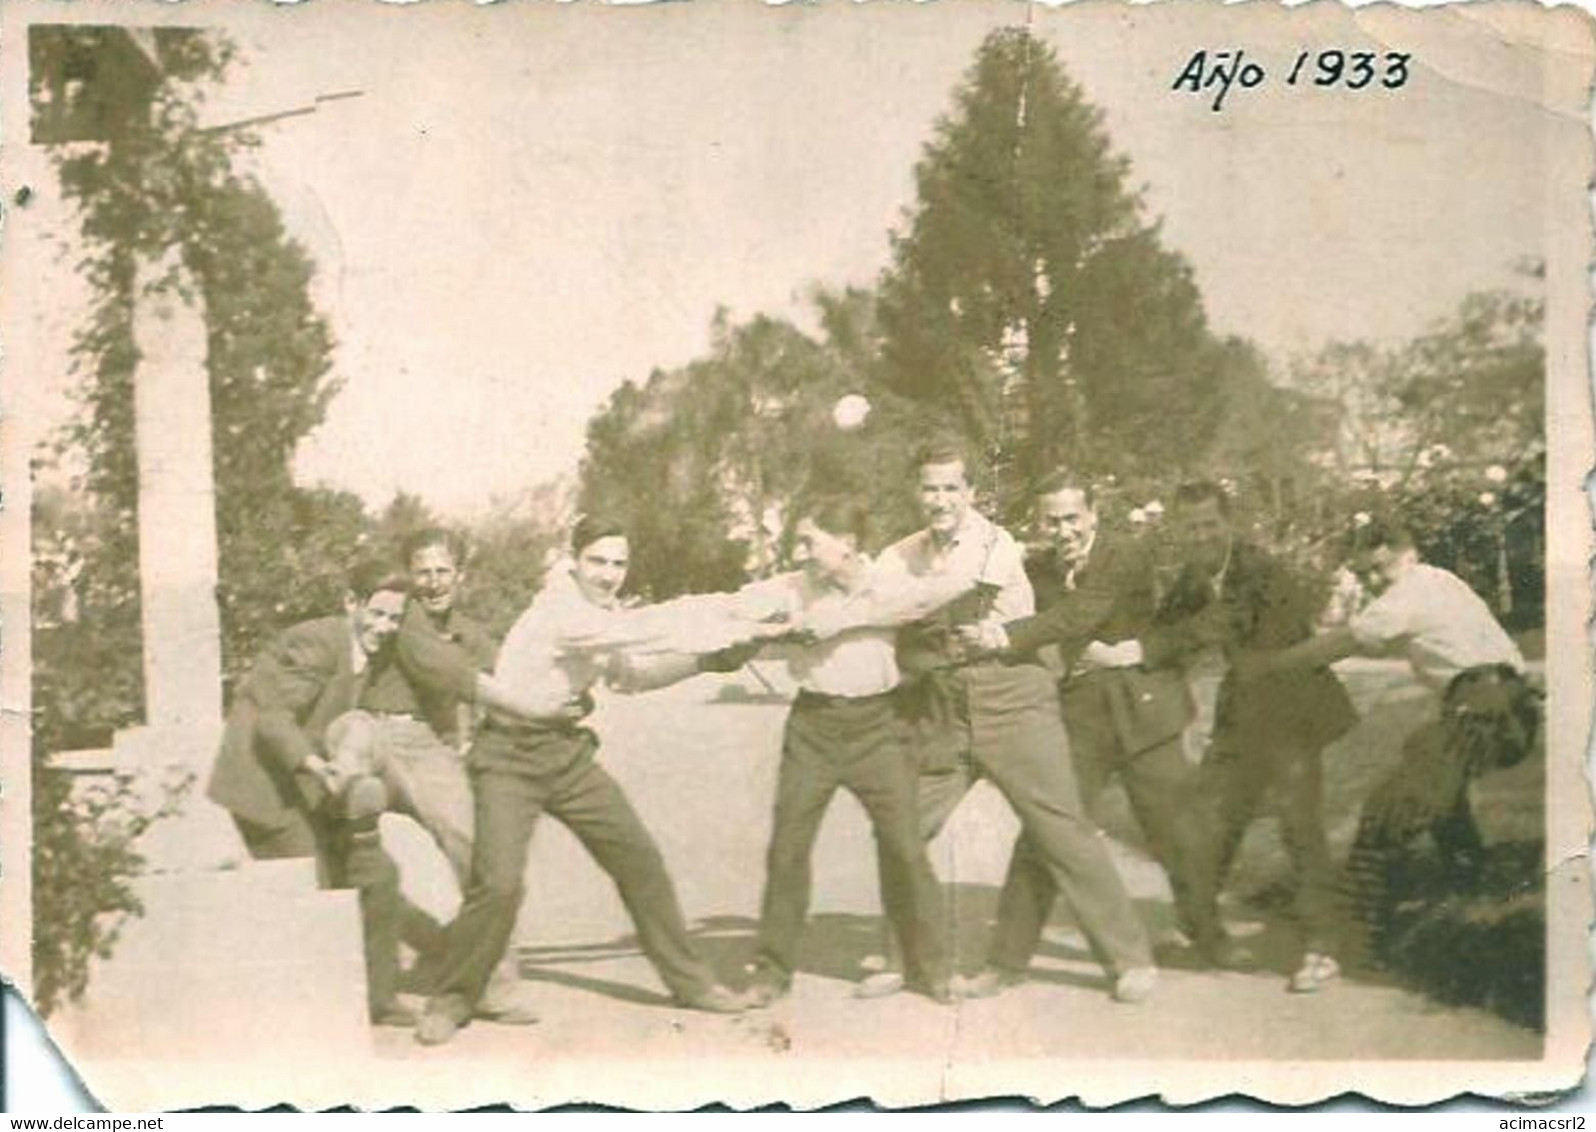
(200,834)
(253,966)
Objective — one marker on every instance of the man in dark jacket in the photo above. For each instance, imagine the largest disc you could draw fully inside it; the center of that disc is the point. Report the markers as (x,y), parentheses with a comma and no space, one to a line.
(1095,588)
(288,797)
(1269,732)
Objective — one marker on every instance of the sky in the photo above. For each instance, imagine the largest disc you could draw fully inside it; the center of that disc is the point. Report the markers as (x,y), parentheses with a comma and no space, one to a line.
(529,204)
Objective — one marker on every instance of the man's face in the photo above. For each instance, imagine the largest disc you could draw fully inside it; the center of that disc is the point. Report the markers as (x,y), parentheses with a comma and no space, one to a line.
(1203,532)
(823,555)
(433,578)
(601,569)
(945,495)
(1379,568)
(375,620)
(1067,521)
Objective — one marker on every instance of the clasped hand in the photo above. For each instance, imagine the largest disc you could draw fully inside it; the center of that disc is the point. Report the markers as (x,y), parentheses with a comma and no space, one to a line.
(982,637)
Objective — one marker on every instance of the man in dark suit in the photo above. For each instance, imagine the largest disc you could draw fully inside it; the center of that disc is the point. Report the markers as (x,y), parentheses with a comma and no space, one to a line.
(1096,588)
(1269,732)
(289,796)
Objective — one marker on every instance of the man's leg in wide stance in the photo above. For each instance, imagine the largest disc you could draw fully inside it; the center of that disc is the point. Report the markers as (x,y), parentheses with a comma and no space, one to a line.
(592,806)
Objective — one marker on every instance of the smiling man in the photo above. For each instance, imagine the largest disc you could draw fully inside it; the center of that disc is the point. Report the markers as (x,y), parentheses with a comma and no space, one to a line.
(1095,588)
(1481,716)
(415,717)
(997,716)
(573,637)
(288,797)
(1269,732)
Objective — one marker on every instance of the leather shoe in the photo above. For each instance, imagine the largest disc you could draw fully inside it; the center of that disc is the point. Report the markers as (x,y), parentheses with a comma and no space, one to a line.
(988,983)
(398,1014)
(939,991)
(1318,970)
(715,1000)
(1136,985)
(762,992)
(364,797)
(508,1006)
(881,984)
(442,1020)
(1226,954)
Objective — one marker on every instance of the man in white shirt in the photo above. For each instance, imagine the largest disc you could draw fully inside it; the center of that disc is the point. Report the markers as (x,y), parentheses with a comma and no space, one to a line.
(998,717)
(1487,715)
(844,731)
(572,636)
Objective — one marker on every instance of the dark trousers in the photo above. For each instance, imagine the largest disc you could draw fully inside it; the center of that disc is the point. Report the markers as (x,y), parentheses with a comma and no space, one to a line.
(517,779)
(857,745)
(1008,728)
(1427,793)
(348,855)
(1233,783)
(1161,785)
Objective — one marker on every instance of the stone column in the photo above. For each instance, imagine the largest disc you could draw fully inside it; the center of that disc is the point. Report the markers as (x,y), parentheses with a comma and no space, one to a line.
(177,504)
(177,571)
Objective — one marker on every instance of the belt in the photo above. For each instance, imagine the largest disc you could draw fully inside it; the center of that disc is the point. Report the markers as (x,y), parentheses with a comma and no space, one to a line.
(826,699)
(533,730)
(1482,680)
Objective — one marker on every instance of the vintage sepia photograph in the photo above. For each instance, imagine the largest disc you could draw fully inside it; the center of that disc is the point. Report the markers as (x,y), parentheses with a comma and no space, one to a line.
(672,554)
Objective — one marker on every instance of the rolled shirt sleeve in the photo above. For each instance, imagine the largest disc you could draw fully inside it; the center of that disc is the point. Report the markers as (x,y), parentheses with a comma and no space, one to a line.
(1383,624)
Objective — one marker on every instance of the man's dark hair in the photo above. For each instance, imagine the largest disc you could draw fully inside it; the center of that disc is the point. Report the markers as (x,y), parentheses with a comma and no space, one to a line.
(1194,493)
(1380,531)
(945,450)
(1062,479)
(429,537)
(373,576)
(842,515)
(590,528)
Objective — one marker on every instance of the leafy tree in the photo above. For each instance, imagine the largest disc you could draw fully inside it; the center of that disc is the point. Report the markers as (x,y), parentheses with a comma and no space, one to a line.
(1447,431)
(405,514)
(509,550)
(704,463)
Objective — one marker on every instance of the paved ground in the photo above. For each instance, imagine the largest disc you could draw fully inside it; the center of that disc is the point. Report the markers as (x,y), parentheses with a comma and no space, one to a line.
(699,763)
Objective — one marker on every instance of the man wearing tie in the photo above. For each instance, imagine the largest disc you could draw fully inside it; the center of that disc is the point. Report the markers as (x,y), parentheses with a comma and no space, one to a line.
(1269,731)
(1094,589)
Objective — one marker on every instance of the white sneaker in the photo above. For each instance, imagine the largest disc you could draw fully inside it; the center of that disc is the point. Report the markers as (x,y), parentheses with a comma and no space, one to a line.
(1317,971)
(1136,985)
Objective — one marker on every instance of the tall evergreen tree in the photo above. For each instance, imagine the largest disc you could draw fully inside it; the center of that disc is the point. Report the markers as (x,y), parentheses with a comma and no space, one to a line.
(1029,293)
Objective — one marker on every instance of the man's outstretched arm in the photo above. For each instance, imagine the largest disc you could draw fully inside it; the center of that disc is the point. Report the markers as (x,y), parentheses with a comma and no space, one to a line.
(1315,652)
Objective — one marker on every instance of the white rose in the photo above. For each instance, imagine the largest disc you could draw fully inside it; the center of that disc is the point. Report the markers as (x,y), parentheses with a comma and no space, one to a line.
(850,412)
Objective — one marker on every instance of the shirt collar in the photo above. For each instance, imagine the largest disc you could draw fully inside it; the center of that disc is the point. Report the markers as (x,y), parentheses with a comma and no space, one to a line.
(357,655)
(439,625)
(972,526)
(861,583)
(563,585)
(1224,568)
